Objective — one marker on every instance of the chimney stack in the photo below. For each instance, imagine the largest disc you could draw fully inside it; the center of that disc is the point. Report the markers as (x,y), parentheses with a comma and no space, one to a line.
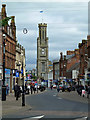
(3,11)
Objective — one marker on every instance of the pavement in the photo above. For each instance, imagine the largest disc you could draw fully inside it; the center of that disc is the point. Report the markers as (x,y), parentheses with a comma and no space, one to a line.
(11,105)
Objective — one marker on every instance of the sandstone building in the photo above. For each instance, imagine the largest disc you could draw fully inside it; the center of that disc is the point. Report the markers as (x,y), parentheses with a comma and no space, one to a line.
(42,52)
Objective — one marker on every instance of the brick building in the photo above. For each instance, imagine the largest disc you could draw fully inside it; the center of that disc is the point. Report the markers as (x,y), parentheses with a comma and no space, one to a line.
(68,63)
(10,48)
(83,51)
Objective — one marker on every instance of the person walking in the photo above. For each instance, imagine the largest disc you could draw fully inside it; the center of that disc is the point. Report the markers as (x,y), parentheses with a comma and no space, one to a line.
(31,87)
(51,87)
(58,89)
(16,90)
(34,89)
(88,92)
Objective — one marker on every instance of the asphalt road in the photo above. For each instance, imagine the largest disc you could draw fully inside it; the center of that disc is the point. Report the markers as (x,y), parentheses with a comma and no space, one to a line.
(48,105)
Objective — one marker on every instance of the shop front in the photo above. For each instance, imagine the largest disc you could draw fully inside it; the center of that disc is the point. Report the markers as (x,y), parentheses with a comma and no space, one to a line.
(7,77)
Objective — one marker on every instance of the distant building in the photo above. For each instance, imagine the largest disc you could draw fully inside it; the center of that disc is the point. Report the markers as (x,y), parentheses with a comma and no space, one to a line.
(64,69)
(20,60)
(88,53)
(83,60)
(50,73)
(56,70)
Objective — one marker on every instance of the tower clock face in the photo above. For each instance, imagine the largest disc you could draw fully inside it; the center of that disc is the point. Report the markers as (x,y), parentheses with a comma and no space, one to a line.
(43,51)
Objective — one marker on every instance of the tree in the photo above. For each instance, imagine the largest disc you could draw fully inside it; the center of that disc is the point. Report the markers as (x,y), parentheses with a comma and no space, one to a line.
(4,21)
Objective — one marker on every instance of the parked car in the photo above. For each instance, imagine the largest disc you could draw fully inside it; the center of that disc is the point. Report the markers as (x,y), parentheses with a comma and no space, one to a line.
(54,86)
(42,88)
(66,88)
(61,87)
(73,88)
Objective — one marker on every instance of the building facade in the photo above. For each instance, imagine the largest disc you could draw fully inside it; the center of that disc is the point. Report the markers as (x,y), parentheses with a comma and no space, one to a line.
(42,52)
(19,64)
(10,49)
(56,70)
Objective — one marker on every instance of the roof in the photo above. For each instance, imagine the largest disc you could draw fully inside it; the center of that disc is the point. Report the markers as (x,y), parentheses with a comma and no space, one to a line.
(56,61)
(70,56)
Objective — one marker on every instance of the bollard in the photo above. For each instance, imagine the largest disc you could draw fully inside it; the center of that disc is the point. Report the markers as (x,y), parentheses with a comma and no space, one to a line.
(3,93)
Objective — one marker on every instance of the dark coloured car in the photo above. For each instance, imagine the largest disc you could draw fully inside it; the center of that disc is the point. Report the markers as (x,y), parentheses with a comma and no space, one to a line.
(61,87)
(66,88)
(42,88)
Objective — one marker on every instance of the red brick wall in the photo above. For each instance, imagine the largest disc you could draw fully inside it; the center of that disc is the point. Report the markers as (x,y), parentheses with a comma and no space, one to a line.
(0,47)
(72,61)
(70,52)
(83,59)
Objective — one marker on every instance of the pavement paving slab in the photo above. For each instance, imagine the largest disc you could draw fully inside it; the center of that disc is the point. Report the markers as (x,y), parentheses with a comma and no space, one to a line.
(11,105)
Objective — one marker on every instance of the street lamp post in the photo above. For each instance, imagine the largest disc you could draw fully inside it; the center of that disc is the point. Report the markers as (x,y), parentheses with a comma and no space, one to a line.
(3,86)
(23,91)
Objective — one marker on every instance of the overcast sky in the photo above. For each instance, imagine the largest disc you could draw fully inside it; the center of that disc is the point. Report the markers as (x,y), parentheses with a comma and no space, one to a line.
(67,25)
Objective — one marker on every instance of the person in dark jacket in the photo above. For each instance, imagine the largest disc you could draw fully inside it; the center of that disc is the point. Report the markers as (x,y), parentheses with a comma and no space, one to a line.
(51,87)
(16,89)
(58,89)
(31,87)
(88,91)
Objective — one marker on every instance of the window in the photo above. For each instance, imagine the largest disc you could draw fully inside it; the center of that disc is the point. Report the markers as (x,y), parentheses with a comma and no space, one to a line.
(43,34)
(8,30)
(43,67)
(43,51)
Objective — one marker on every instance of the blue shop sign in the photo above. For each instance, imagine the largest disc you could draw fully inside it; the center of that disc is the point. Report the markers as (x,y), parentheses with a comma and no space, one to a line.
(17,74)
(21,71)
(55,81)
(7,71)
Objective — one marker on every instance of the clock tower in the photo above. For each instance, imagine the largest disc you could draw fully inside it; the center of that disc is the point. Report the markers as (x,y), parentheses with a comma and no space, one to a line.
(42,52)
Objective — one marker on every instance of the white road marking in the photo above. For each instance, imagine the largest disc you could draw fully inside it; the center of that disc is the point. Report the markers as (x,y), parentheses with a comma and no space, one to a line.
(38,116)
(83,118)
(54,95)
(59,98)
(34,118)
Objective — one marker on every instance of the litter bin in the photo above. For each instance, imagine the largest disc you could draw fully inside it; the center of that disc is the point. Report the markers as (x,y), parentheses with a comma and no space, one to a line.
(3,93)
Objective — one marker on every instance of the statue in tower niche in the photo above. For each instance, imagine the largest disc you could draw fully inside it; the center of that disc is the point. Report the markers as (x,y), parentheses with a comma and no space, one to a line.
(42,52)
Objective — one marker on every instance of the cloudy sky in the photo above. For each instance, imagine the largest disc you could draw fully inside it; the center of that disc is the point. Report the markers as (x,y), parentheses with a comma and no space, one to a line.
(67,26)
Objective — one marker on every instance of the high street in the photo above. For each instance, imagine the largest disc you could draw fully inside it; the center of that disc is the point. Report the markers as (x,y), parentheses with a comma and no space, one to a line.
(50,104)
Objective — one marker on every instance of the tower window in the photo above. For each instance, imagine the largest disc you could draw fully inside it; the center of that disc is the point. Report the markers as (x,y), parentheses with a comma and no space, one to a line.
(43,51)
(43,66)
(43,34)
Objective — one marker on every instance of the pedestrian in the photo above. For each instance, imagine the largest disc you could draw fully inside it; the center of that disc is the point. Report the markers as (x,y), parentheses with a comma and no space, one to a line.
(31,87)
(16,91)
(7,89)
(34,89)
(58,89)
(88,92)
(51,87)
